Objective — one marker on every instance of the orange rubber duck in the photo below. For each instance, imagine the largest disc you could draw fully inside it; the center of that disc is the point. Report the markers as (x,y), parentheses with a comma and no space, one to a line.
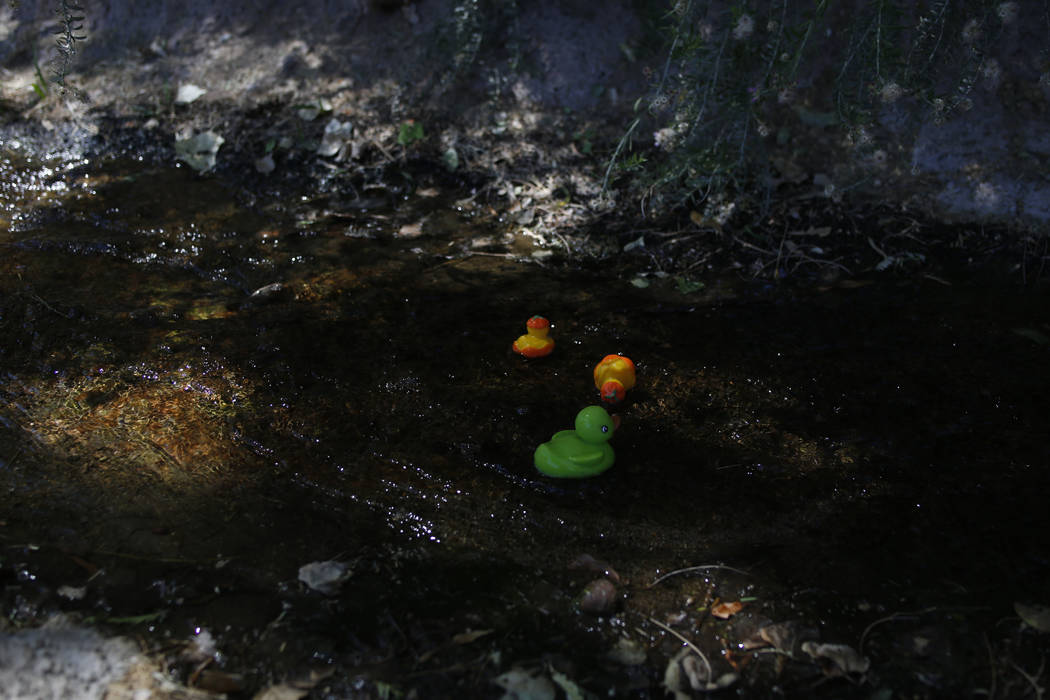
(535,343)
(613,376)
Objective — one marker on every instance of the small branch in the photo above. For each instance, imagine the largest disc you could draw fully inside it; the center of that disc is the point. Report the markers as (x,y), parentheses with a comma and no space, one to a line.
(1038,689)
(890,618)
(692,569)
(689,644)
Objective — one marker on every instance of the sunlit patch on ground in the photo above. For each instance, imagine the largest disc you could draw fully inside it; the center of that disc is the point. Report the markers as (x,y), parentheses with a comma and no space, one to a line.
(178,426)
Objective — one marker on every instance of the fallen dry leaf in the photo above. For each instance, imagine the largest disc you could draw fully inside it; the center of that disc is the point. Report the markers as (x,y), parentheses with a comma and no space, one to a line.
(837,659)
(726,610)
(281,691)
(782,636)
(469,636)
(295,690)
(411,230)
(220,682)
(1035,616)
(703,222)
(687,671)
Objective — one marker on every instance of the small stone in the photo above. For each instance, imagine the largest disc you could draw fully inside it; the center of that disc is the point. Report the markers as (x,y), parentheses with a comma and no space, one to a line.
(599,597)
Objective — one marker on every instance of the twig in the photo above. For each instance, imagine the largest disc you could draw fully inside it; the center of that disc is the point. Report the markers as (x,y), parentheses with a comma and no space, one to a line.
(192,680)
(619,147)
(1039,690)
(991,668)
(753,246)
(37,298)
(889,618)
(691,569)
(780,251)
(685,641)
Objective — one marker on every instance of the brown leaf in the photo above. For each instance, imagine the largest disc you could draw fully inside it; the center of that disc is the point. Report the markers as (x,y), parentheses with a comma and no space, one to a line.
(1035,616)
(724,611)
(837,659)
(411,230)
(687,671)
(704,222)
(782,636)
(469,636)
(220,682)
(281,691)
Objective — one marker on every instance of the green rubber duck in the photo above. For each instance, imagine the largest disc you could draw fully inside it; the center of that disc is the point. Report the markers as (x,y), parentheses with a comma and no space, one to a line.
(579,453)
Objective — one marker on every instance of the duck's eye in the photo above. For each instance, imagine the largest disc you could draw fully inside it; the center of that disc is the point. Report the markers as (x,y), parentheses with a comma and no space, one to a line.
(605,428)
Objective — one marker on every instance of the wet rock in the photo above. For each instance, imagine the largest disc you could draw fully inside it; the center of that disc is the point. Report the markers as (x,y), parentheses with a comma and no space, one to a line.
(628,652)
(585,562)
(325,576)
(336,135)
(599,597)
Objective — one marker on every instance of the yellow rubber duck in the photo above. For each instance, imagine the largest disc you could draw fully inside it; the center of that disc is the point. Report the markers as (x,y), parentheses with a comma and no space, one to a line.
(613,376)
(535,343)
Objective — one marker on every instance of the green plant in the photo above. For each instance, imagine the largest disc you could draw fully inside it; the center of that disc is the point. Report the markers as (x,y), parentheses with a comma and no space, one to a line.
(70,33)
(410,132)
(40,84)
(733,74)
(471,28)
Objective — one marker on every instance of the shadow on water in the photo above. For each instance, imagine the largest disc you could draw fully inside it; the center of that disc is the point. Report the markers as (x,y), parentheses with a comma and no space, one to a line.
(200,397)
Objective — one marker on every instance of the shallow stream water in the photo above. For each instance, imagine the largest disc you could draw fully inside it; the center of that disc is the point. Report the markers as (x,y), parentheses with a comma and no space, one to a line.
(205,389)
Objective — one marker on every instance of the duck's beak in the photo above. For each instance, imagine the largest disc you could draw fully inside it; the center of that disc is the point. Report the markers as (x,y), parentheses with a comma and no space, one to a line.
(616,421)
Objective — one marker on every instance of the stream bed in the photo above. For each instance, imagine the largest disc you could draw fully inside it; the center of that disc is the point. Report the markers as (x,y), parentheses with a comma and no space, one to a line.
(826,490)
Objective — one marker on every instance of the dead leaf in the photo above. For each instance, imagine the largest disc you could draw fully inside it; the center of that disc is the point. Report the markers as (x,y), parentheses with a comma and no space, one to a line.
(411,230)
(688,671)
(703,222)
(469,636)
(187,93)
(325,576)
(837,659)
(220,682)
(281,691)
(724,611)
(521,684)
(1035,616)
(782,636)
(572,691)
(265,165)
(428,192)
(294,690)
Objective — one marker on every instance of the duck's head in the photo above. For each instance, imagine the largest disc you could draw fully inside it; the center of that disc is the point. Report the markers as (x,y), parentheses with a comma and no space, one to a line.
(613,391)
(538,326)
(595,425)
